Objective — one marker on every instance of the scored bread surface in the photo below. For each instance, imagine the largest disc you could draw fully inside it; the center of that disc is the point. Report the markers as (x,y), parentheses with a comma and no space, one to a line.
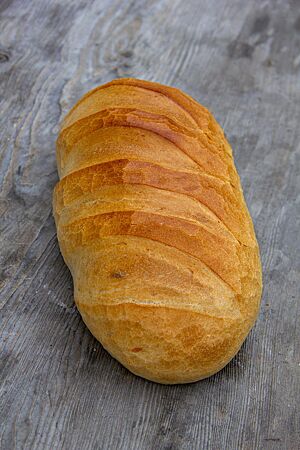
(152,222)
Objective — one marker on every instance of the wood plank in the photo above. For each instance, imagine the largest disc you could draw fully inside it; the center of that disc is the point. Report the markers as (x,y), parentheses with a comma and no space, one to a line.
(59,388)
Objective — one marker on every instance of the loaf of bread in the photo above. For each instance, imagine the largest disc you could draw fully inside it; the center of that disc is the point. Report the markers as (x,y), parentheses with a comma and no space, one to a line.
(152,222)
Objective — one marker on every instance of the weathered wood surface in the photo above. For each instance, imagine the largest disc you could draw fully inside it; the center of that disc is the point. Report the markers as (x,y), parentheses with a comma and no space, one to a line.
(59,388)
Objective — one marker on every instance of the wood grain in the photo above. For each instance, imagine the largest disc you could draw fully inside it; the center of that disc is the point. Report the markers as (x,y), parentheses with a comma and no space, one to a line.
(59,388)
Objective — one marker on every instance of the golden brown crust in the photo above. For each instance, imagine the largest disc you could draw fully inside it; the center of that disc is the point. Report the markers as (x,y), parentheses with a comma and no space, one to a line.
(210,192)
(162,344)
(152,222)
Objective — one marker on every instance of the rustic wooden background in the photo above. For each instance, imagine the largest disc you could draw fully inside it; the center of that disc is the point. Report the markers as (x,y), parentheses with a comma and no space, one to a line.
(59,388)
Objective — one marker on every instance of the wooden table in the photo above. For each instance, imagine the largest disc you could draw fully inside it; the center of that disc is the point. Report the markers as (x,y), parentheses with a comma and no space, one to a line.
(60,389)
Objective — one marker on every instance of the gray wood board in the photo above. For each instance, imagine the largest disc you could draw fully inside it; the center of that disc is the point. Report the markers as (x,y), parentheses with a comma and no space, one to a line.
(59,388)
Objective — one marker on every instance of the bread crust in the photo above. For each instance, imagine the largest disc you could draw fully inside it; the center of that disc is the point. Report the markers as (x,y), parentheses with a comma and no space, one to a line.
(152,222)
